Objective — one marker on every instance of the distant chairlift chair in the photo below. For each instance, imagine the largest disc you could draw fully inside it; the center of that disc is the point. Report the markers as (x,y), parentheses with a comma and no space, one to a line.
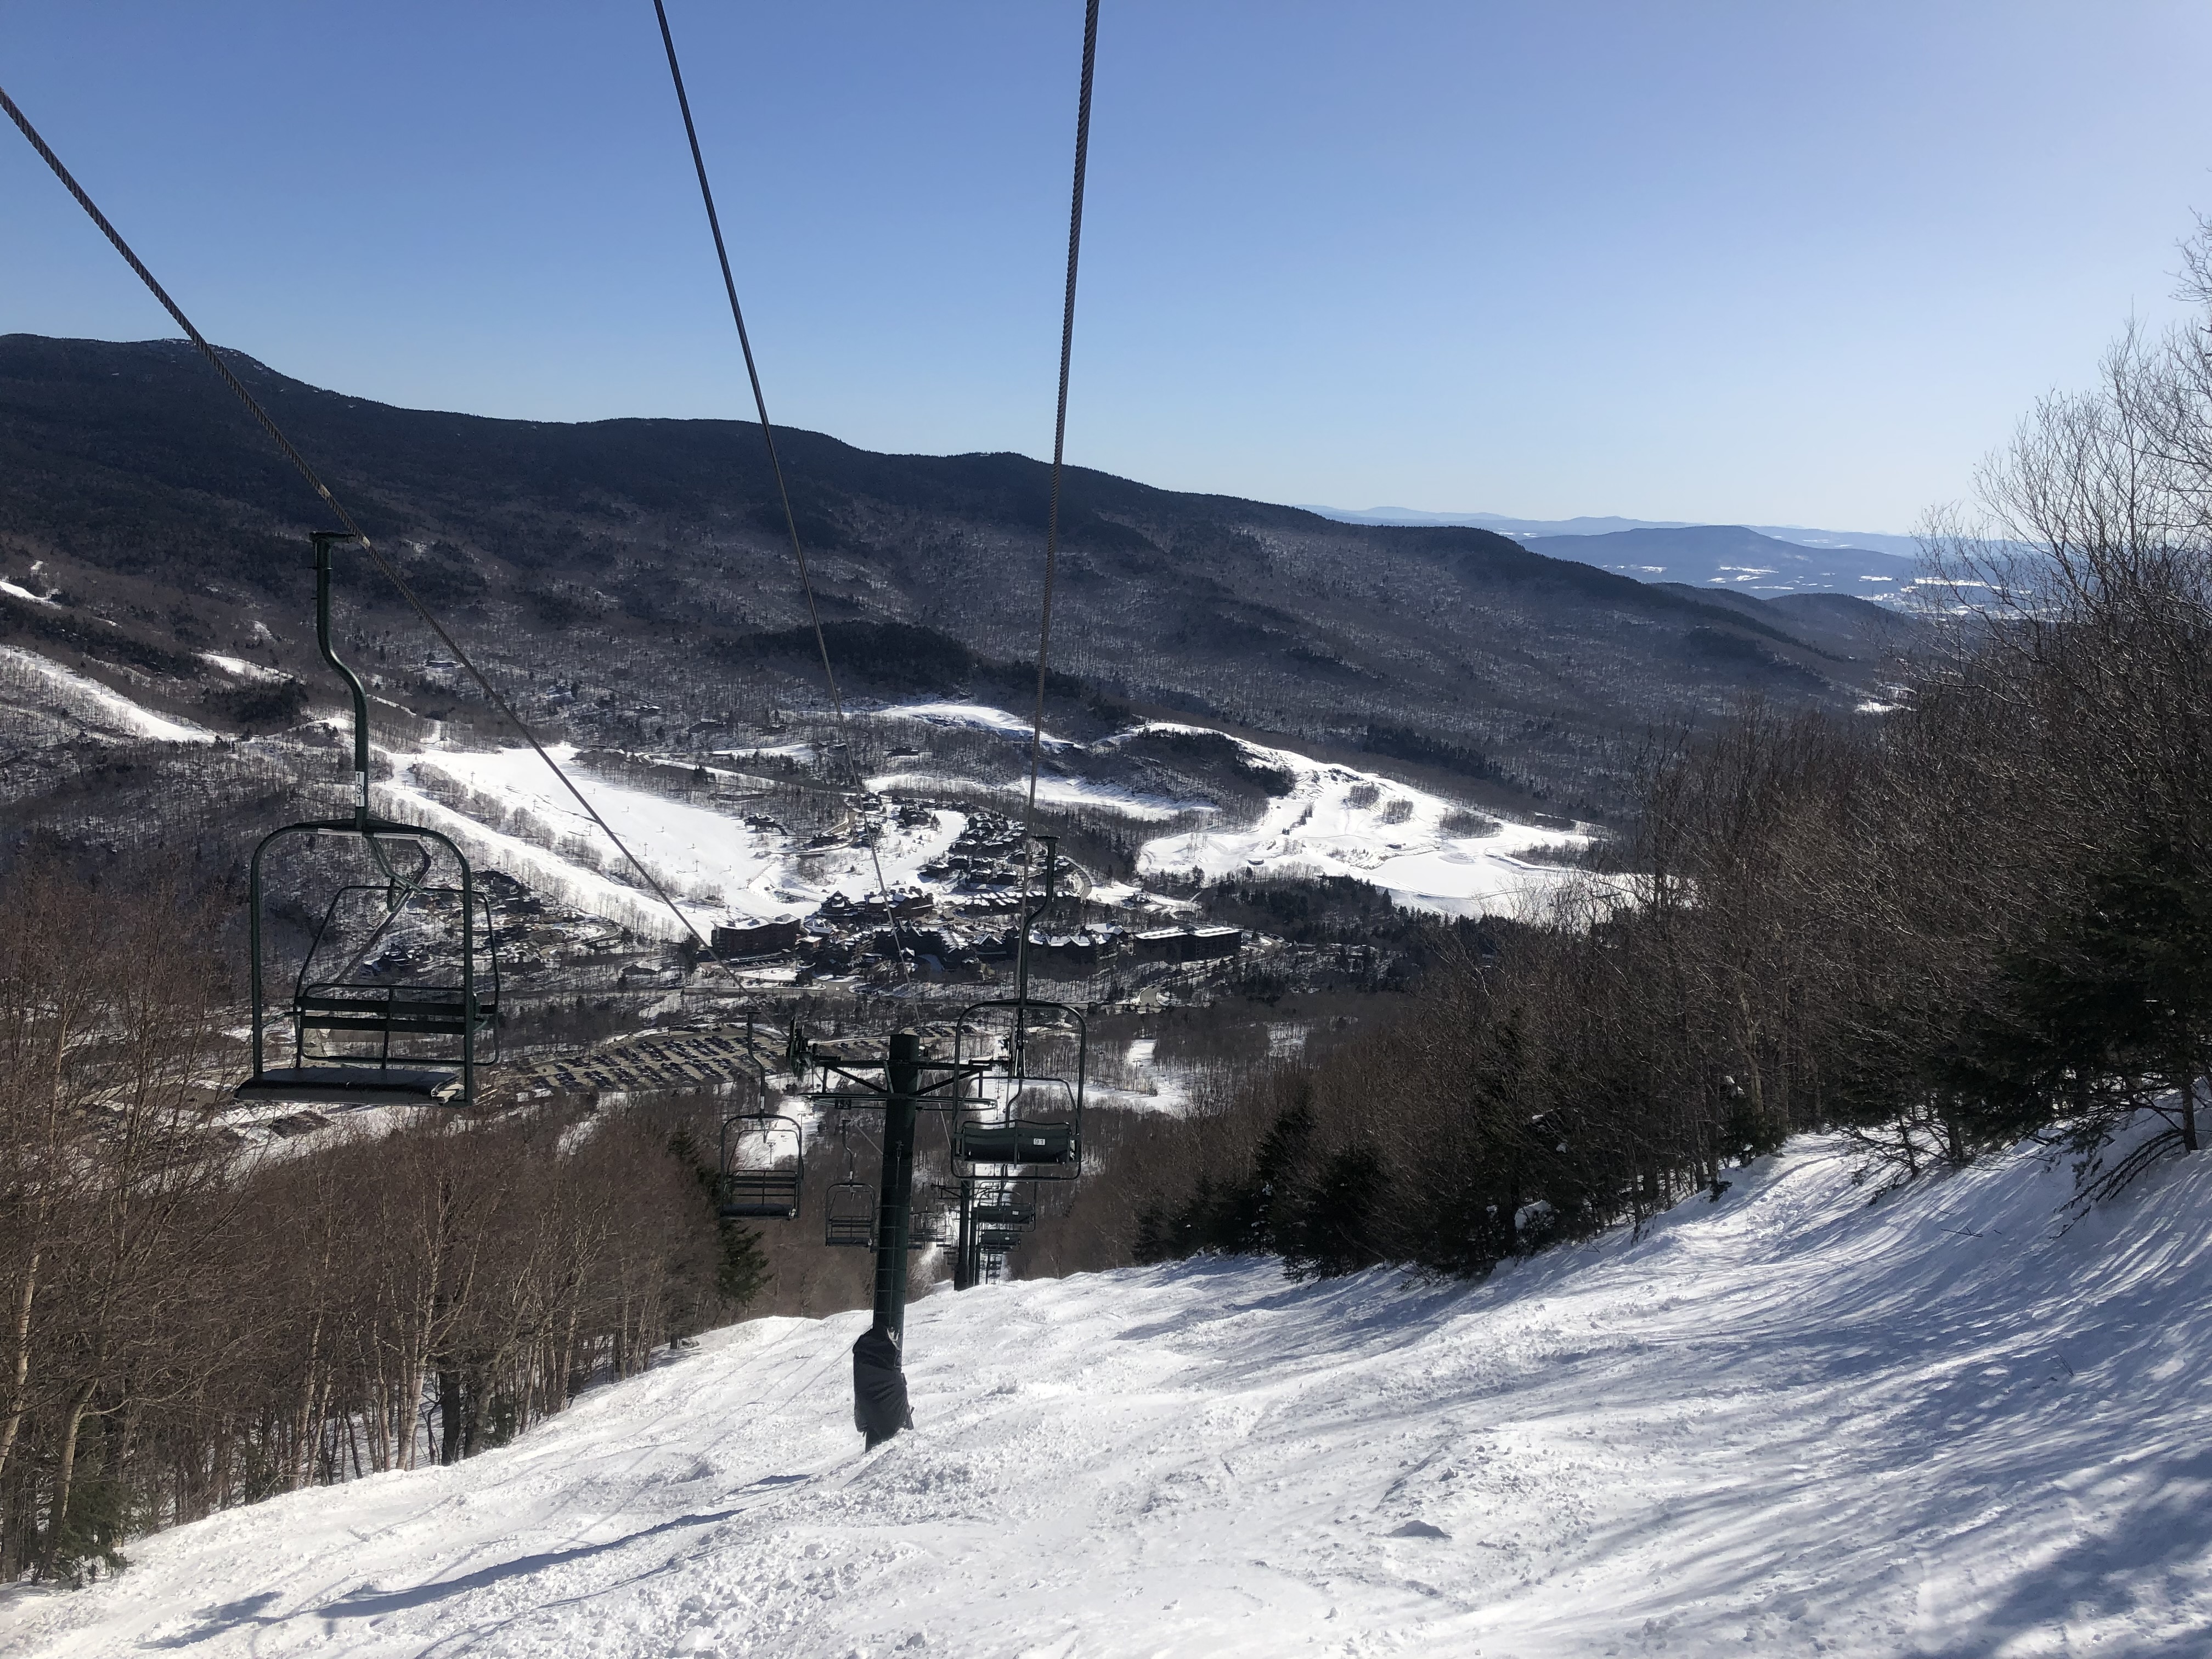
(764,1168)
(849,1213)
(998,1206)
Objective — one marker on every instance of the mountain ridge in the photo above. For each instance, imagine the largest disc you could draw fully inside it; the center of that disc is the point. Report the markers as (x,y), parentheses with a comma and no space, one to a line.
(650,552)
(1872,541)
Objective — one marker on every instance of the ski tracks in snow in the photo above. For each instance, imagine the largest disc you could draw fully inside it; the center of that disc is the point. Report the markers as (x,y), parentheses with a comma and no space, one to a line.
(1784,1423)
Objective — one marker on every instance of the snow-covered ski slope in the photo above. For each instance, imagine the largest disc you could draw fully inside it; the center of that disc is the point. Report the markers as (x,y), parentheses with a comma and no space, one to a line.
(521,819)
(1340,821)
(1785,1423)
(78,699)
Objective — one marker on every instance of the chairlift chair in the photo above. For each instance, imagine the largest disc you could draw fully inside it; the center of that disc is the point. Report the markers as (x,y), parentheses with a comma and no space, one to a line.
(848,1209)
(1035,1123)
(1002,1210)
(396,999)
(849,1214)
(764,1168)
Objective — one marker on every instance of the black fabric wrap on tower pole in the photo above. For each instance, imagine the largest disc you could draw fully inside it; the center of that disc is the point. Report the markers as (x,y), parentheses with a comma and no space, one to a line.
(214,358)
(1060,417)
(745,345)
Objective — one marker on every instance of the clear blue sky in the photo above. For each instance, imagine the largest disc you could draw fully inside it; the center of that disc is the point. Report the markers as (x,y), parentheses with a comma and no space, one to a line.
(1758,261)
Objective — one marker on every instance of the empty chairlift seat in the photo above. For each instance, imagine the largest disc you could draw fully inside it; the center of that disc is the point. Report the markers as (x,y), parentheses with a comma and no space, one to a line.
(848,1215)
(397,998)
(366,1033)
(764,1168)
(412,1010)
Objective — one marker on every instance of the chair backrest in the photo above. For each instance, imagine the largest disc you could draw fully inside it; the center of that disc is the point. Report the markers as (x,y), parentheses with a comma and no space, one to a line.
(1021,1141)
(763,1168)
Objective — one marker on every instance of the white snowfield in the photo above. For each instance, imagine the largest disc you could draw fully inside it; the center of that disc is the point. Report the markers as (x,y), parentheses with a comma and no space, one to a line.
(81,699)
(238,668)
(1782,1424)
(978,716)
(1339,821)
(1334,821)
(1052,792)
(518,817)
(13,592)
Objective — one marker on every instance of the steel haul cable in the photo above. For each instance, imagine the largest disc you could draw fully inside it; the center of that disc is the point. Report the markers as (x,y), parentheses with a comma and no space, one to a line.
(214,358)
(1059,422)
(746,344)
(1059,417)
(1059,444)
(767,434)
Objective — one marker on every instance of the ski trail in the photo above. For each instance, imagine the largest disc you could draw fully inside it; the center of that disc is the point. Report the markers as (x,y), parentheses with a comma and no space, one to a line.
(1784,1423)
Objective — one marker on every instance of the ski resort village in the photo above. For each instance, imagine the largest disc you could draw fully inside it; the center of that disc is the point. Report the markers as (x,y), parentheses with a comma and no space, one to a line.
(728,930)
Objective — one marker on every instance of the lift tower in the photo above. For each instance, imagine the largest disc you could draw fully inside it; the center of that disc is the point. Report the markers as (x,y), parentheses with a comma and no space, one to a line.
(906,1081)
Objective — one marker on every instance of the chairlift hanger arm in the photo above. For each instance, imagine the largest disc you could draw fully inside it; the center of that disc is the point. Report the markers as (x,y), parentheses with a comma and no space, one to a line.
(324,540)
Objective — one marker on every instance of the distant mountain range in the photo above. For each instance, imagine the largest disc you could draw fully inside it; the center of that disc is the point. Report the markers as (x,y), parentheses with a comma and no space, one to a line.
(1739,558)
(1766,560)
(1872,541)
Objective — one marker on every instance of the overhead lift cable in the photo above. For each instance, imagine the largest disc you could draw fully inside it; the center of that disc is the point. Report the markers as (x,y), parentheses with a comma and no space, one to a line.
(214,358)
(1018,1141)
(768,432)
(880,1408)
(752,371)
(1059,417)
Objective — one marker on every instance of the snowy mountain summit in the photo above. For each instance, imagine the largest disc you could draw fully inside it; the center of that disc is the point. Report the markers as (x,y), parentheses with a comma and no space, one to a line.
(1780,1422)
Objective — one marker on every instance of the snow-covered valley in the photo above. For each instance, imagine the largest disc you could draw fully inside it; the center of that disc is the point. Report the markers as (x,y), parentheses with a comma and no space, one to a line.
(722,863)
(1428,853)
(1784,1422)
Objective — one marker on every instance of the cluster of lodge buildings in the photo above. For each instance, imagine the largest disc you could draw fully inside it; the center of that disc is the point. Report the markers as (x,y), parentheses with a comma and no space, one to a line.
(974,927)
(845,937)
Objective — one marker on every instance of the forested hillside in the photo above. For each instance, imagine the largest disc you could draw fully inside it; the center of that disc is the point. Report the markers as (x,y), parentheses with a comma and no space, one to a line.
(645,561)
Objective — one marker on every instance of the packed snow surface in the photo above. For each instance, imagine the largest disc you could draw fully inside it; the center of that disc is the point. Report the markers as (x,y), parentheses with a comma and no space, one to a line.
(1340,821)
(238,668)
(1778,1424)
